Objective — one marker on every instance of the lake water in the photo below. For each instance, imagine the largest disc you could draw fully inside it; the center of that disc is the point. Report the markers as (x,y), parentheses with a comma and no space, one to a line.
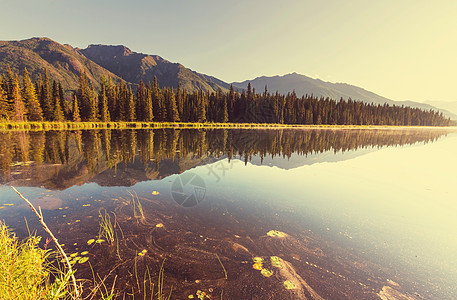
(326,213)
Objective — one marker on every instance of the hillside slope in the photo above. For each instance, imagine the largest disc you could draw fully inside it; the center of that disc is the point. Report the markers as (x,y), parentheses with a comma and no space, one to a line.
(63,62)
(134,67)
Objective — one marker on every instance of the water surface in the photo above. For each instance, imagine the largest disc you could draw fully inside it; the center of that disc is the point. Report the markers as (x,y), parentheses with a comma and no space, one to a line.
(361,213)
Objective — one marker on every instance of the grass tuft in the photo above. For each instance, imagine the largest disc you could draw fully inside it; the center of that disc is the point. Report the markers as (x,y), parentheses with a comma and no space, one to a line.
(106,230)
(25,271)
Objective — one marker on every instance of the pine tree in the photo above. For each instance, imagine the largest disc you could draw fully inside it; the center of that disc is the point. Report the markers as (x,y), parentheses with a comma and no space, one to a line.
(93,108)
(149,114)
(225,116)
(46,98)
(84,96)
(76,114)
(9,83)
(172,110)
(130,109)
(58,114)
(103,102)
(4,105)
(34,112)
(157,101)
(179,102)
(63,103)
(19,111)
(201,110)
(141,102)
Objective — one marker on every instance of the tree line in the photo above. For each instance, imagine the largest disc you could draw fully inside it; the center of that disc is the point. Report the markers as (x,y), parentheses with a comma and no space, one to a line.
(21,100)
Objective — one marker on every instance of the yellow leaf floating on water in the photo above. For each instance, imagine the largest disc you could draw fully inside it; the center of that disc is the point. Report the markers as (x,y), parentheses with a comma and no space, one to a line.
(8,204)
(74,254)
(155,193)
(142,253)
(258,260)
(266,272)
(257,266)
(84,252)
(83,260)
(99,241)
(86,204)
(289,285)
(275,262)
(191,297)
(276,233)
(2,207)
(90,242)
(160,225)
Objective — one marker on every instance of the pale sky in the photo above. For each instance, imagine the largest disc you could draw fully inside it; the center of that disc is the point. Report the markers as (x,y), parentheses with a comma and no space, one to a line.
(400,49)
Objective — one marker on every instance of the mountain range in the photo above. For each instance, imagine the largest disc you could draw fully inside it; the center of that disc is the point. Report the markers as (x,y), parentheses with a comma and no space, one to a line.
(65,63)
(303,85)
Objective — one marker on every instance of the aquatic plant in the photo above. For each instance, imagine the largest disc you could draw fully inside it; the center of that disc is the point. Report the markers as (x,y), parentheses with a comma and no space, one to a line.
(106,230)
(225,271)
(137,207)
(160,293)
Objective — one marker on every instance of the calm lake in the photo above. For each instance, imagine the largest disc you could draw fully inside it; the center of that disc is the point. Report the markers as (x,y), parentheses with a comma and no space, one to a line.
(245,214)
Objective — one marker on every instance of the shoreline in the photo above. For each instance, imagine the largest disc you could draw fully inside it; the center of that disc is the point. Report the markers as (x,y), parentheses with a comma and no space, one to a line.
(20,126)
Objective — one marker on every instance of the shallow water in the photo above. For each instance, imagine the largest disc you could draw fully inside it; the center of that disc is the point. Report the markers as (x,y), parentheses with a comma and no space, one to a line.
(362,210)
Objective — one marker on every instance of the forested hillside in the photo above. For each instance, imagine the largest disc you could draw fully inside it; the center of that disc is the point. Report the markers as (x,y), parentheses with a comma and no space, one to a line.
(21,100)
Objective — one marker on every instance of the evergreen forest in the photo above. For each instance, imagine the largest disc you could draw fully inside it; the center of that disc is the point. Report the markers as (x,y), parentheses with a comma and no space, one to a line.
(22,100)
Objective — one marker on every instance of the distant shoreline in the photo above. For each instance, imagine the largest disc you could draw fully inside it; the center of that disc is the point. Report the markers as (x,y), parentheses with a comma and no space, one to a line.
(17,126)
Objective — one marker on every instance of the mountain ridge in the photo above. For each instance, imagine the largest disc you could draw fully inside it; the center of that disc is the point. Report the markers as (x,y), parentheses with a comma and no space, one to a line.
(65,63)
(135,67)
(303,85)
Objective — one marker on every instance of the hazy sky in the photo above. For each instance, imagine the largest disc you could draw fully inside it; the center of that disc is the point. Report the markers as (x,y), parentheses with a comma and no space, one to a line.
(400,49)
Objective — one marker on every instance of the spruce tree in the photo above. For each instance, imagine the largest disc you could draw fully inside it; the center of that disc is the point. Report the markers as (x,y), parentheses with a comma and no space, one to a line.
(172,110)
(141,102)
(63,103)
(130,112)
(4,105)
(34,112)
(224,118)
(149,114)
(19,111)
(84,96)
(93,108)
(179,102)
(201,109)
(157,103)
(46,98)
(58,114)
(76,114)
(103,102)
(9,83)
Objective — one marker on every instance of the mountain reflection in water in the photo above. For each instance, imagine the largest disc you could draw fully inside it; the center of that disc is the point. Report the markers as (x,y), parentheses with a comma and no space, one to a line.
(61,159)
(253,204)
